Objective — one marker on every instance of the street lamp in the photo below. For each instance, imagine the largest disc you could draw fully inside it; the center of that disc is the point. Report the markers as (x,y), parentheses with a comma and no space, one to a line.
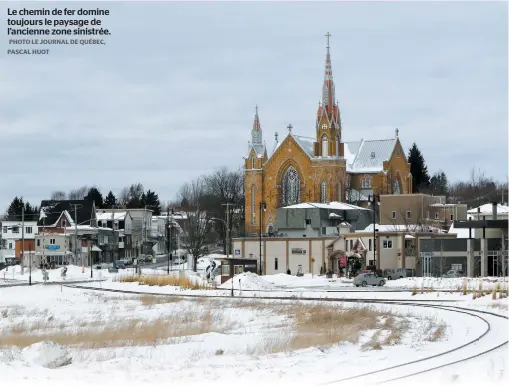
(373,199)
(168,237)
(227,235)
(263,207)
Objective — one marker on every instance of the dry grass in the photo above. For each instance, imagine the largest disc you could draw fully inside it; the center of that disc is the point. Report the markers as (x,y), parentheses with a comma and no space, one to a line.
(181,280)
(499,306)
(149,300)
(435,331)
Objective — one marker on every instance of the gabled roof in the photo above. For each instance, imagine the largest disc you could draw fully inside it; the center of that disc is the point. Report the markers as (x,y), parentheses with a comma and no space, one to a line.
(328,206)
(54,208)
(368,156)
(306,143)
(259,149)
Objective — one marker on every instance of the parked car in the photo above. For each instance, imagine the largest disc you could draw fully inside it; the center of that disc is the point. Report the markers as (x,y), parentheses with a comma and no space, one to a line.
(119,264)
(454,274)
(366,279)
(391,274)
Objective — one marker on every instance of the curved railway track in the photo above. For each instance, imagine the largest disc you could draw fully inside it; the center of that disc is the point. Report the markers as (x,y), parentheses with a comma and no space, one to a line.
(474,348)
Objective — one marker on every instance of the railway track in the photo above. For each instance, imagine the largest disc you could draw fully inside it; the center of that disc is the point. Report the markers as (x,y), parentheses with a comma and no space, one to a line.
(478,346)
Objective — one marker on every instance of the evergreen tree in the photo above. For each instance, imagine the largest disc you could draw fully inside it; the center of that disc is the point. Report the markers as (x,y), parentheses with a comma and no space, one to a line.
(438,183)
(135,196)
(95,195)
(110,200)
(152,202)
(418,169)
(15,209)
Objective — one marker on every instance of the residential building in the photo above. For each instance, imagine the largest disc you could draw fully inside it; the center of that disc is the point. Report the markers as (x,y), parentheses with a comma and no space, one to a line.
(121,222)
(12,232)
(318,219)
(51,249)
(321,168)
(420,209)
(142,238)
(385,246)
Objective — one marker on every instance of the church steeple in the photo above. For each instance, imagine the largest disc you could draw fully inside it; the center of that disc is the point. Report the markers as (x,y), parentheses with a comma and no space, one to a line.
(328,124)
(256,132)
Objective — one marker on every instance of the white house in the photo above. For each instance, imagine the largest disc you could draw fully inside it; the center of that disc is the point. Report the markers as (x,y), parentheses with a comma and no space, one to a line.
(12,232)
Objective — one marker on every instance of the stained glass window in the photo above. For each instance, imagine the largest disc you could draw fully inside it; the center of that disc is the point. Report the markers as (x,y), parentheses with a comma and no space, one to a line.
(291,187)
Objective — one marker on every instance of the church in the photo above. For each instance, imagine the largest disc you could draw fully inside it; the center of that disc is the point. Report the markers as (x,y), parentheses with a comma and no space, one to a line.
(322,168)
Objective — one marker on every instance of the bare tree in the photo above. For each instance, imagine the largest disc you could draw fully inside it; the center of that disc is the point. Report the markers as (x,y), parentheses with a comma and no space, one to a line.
(58,195)
(197,226)
(78,193)
(123,197)
(223,187)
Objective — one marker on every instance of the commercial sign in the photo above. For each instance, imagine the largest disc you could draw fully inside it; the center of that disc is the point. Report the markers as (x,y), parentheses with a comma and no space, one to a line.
(52,247)
(298,251)
(237,251)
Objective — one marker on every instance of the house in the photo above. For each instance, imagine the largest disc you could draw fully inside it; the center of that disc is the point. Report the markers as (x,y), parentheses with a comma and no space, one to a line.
(420,209)
(121,222)
(382,246)
(318,219)
(51,249)
(12,232)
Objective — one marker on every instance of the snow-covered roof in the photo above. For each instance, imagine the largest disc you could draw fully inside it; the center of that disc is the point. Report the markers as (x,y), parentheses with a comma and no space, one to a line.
(111,215)
(487,209)
(461,232)
(368,156)
(306,143)
(328,206)
(401,227)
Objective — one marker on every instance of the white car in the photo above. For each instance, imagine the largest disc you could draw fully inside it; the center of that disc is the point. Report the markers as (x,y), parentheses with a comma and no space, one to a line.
(366,279)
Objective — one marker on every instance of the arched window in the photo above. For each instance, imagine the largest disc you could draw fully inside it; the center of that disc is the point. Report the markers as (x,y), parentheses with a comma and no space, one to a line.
(337,145)
(323,192)
(366,182)
(325,146)
(253,204)
(252,162)
(396,189)
(340,194)
(347,181)
(291,187)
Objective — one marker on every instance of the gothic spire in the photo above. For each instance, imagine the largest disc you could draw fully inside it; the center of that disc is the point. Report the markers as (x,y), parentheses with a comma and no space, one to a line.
(256,133)
(328,89)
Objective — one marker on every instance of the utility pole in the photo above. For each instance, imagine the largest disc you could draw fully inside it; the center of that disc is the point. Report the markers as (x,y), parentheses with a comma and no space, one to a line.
(22,238)
(228,246)
(373,199)
(503,254)
(441,257)
(167,234)
(76,231)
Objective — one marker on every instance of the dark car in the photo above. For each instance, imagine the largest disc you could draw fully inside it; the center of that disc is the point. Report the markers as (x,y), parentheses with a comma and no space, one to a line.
(119,265)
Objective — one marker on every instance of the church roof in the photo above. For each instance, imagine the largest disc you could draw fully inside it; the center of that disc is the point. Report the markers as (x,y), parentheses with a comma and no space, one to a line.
(258,148)
(368,156)
(307,143)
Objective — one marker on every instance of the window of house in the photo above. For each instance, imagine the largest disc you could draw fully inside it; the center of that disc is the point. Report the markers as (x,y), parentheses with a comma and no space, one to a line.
(427,214)
(308,221)
(351,244)
(409,214)
(393,214)
(387,244)
(10,245)
(4,229)
(325,146)
(452,216)
(275,263)
(339,192)
(15,230)
(225,269)
(323,192)
(52,241)
(38,243)
(116,225)
(28,230)
(370,242)
(437,215)
(106,239)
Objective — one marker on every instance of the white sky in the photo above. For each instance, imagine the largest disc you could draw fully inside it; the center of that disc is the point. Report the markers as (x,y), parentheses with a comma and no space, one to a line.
(172,94)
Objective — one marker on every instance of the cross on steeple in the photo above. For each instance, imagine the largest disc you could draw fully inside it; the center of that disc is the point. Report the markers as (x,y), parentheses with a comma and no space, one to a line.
(290,128)
(328,35)
(397,132)
(275,136)
(256,107)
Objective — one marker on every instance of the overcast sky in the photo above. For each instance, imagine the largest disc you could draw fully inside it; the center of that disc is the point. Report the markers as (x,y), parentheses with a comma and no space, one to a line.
(172,94)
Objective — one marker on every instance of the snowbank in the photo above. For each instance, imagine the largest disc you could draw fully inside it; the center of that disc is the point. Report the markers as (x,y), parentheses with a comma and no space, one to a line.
(248,281)
(46,354)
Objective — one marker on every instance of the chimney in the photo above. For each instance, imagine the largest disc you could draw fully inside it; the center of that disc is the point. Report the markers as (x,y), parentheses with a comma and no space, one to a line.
(494,211)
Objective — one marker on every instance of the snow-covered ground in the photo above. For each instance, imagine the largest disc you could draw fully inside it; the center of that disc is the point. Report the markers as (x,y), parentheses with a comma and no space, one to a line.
(133,339)
(214,341)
